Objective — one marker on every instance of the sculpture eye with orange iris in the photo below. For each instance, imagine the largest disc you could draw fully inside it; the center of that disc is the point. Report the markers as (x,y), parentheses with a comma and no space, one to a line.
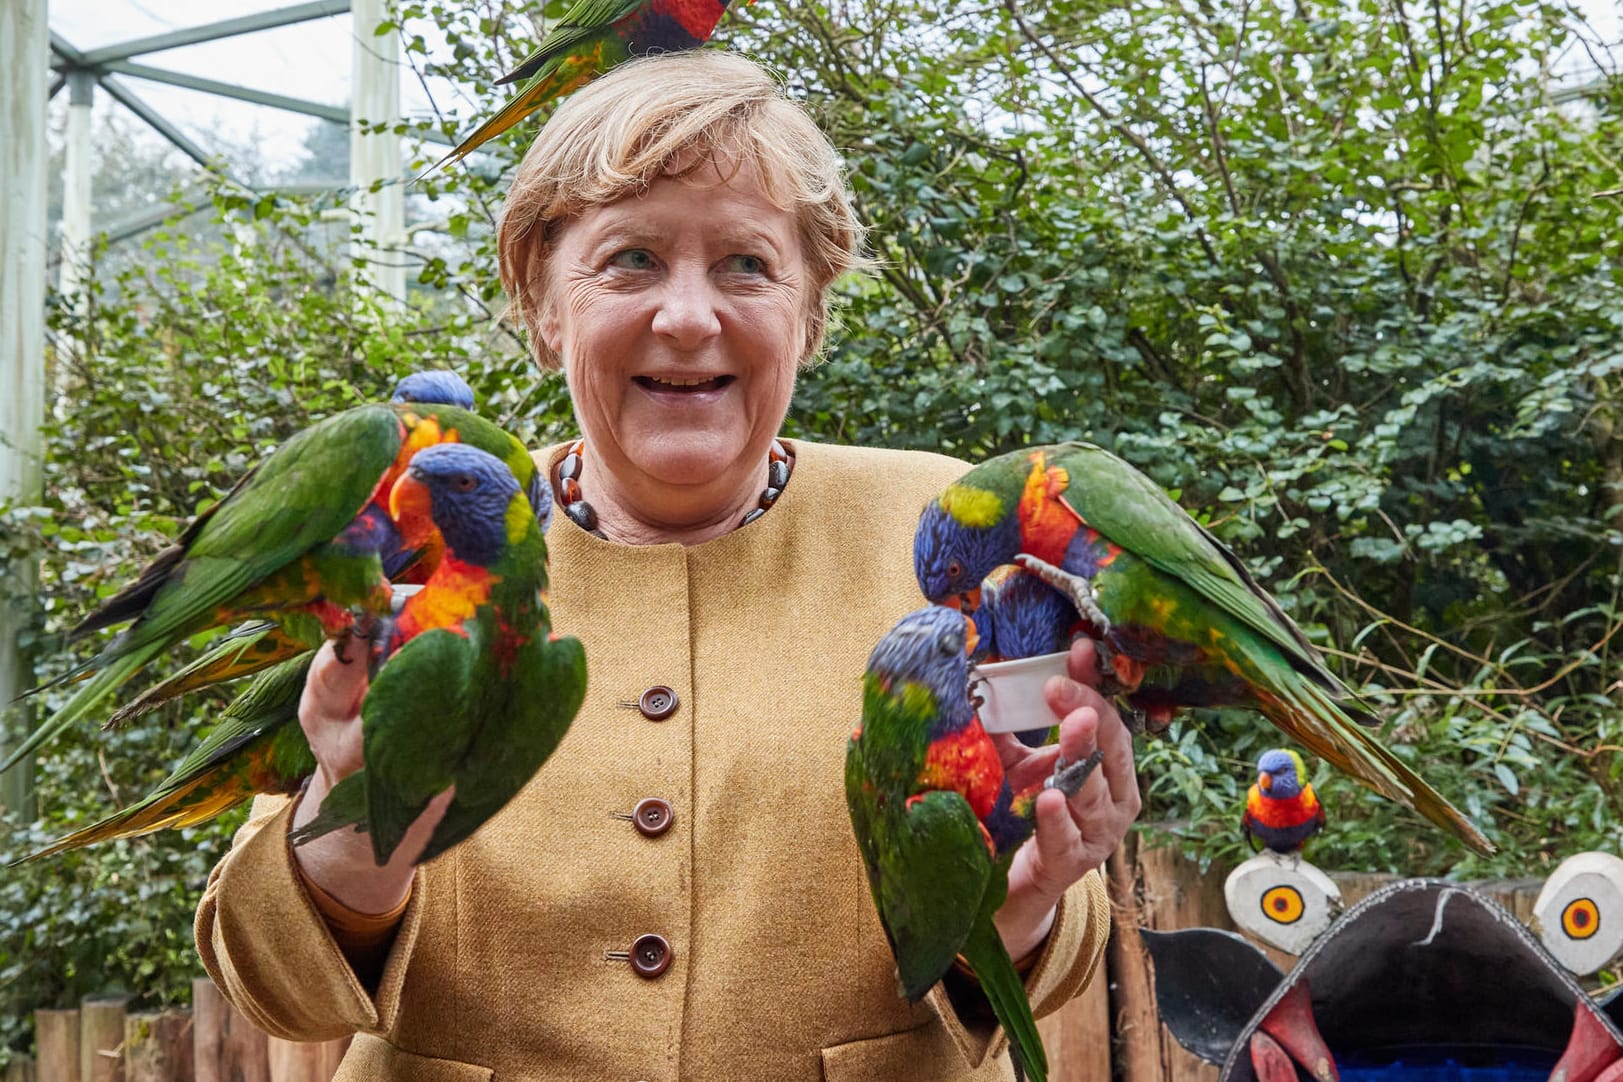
(1581,918)
(1283,904)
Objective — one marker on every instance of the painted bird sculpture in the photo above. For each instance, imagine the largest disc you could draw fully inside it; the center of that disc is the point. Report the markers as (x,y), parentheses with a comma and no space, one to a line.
(589,39)
(1281,810)
(301,539)
(936,819)
(474,691)
(1177,618)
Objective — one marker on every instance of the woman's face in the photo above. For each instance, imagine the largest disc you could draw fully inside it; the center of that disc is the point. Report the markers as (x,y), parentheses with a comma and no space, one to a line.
(681,316)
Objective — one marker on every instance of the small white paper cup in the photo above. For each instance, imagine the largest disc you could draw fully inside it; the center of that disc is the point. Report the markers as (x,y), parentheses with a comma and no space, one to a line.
(1013,692)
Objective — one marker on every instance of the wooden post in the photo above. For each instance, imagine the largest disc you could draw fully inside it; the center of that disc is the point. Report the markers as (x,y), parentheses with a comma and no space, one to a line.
(20,1069)
(101,1038)
(1077,1036)
(56,1033)
(292,1061)
(158,1047)
(227,1048)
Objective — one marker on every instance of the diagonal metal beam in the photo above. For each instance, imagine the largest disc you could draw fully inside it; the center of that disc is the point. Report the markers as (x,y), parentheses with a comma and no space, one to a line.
(246,24)
(335,113)
(65,51)
(159,124)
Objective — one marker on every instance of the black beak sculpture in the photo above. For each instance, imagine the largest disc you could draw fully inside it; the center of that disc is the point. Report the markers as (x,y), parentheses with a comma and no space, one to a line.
(1422,980)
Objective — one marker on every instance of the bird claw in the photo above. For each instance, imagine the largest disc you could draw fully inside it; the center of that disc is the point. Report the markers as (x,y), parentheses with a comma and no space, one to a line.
(1069,778)
(1078,590)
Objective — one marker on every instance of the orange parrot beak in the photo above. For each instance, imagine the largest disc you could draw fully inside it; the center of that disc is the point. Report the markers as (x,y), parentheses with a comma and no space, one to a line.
(972,638)
(1264,782)
(411,506)
(965,602)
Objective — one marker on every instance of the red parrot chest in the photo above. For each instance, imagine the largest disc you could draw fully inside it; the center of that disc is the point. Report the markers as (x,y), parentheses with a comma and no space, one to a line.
(965,762)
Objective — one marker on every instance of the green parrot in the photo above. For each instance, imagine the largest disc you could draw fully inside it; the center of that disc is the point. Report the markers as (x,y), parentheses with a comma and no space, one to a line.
(473,690)
(937,821)
(1177,618)
(589,39)
(301,538)
(261,643)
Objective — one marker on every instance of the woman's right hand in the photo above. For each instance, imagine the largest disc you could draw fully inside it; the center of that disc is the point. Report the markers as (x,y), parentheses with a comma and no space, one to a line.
(341,862)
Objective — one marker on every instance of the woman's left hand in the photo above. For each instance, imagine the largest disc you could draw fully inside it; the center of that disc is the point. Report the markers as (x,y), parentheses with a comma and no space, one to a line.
(1073,837)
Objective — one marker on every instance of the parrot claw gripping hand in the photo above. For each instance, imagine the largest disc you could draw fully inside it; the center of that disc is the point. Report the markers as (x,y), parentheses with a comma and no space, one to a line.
(586,41)
(303,540)
(473,690)
(1178,619)
(937,821)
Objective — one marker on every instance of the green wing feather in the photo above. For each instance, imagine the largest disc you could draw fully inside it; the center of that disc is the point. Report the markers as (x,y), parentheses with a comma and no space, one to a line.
(581,23)
(1132,511)
(1000,981)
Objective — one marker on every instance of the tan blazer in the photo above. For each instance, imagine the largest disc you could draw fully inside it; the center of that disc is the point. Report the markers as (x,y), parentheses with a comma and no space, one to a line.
(510,962)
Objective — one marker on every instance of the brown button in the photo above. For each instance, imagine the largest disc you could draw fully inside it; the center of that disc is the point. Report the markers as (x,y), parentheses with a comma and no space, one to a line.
(658,703)
(650,955)
(652,816)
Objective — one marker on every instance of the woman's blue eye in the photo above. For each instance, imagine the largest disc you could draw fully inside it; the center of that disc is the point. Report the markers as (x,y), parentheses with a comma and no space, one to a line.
(746,264)
(633,259)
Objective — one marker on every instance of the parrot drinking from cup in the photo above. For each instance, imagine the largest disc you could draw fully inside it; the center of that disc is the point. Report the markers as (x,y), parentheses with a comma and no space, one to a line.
(1021,616)
(937,821)
(474,691)
(1162,598)
(300,540)
(590,38)
(1281,810)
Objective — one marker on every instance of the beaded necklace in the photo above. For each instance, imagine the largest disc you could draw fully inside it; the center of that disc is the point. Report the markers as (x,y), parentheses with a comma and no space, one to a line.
(779,465)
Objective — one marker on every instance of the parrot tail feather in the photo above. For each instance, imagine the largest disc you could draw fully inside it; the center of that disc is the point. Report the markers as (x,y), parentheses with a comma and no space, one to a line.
(196,802)
(343,806)
(526,102)
(108,676)
(1318,720)
(986,955)
(236,655)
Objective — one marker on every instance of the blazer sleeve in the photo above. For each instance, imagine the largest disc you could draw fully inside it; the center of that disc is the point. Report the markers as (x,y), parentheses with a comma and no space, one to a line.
(1067,963)
(266,946)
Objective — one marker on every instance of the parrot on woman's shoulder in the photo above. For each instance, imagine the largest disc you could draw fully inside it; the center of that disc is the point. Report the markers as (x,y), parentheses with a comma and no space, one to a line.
(936,820)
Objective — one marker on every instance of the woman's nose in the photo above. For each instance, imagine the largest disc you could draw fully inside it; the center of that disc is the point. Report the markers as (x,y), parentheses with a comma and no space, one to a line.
(687,309)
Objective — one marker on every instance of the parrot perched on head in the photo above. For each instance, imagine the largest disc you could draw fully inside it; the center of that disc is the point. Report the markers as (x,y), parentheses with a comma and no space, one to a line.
(1281,811)
(589,39)
(301,538)
(1162,598)
(937,821)
(262,643)
(473,691)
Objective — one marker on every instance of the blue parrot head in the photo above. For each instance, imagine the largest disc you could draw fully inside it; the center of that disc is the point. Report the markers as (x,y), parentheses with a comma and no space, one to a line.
(1026,616)
(1280,773)
(462,492)
(951,557)
(440,387)
(930,647)
(540,493)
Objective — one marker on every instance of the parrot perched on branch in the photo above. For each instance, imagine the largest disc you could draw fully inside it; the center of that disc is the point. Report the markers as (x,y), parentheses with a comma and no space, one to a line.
(301,538)
(1162,598)
(1281,810)
(256,645)
(473,691)
(937,821)
(590,38)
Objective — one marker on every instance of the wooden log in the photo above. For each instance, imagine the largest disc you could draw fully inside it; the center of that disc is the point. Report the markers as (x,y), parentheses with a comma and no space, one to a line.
(20,1069)
(226,1046)
(158,1047)
(56,1033)
(1077,1035)
(293,1061)
(101,1038)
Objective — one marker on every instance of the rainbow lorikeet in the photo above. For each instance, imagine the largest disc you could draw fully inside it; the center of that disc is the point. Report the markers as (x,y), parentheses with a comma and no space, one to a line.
(474,691)
(1162,598)
(938,822)
(301,536)
(589,39)
(1021,616)
(262,643)
(1281,811)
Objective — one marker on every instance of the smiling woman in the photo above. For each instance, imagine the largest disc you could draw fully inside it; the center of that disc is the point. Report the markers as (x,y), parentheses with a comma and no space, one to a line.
(678,894)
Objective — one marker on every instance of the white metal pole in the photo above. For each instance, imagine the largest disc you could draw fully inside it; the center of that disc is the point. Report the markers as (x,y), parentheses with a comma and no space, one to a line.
(73,275)
(24,45)
(375,156)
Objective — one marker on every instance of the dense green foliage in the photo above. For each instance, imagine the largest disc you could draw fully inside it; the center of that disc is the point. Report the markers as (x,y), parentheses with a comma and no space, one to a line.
(1334,274)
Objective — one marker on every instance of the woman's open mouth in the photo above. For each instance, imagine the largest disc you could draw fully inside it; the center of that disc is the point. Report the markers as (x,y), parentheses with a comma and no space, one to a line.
(682,385)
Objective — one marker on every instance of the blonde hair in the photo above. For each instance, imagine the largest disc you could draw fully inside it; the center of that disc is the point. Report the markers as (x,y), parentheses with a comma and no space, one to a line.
(670,115)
